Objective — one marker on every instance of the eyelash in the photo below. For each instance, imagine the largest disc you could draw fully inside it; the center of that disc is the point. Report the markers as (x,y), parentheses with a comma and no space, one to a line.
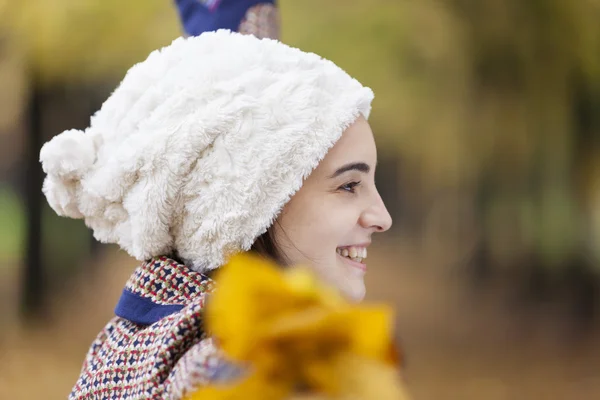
(349,187)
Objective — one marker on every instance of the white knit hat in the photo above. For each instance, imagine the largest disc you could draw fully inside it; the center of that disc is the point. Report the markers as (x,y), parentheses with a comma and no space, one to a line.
(201,146)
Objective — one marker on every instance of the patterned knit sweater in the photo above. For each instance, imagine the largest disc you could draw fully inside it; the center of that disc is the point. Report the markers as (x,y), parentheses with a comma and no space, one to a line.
(155,347)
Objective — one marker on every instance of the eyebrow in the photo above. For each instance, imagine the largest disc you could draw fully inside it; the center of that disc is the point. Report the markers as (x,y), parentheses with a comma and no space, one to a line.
(357,166)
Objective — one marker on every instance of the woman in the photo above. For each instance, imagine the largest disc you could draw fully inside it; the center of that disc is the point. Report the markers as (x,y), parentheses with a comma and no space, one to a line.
(216,144)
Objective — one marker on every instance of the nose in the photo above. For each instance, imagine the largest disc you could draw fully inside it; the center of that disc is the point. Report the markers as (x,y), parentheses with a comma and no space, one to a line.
(376,216)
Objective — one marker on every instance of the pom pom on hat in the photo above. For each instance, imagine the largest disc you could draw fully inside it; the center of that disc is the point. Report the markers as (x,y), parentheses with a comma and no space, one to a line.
(68,156)
(66,159)
(201,145)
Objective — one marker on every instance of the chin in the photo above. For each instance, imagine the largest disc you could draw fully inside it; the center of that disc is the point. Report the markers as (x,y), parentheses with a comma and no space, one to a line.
(346,279)
(354,292)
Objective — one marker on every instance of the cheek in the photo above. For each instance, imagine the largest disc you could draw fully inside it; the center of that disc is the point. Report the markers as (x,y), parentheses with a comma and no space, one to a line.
(319,235)
(317,232)
(307,237)
(311,237)
(328,220)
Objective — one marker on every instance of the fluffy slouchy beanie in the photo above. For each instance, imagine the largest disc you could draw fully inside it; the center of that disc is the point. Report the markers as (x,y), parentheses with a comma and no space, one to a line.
(201,145)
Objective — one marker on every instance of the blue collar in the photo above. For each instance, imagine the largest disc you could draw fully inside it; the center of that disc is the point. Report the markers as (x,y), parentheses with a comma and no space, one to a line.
(158,288)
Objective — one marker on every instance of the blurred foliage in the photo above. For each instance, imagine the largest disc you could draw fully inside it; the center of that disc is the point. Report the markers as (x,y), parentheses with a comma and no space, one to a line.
(61,251)
(73,40)
(11,226)
(534,82)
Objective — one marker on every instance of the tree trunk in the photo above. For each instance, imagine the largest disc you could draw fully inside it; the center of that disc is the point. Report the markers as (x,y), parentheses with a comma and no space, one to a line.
(32,284)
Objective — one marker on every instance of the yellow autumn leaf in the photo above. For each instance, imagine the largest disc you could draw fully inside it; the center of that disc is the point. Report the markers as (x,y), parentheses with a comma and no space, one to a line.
(250,388)
(296,334)
(252,294)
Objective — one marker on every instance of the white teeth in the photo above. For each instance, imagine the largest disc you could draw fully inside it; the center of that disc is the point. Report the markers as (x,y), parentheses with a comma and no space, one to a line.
(353,252)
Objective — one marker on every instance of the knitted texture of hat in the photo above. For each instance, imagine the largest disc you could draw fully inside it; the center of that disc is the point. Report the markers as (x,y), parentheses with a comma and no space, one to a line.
(201,146)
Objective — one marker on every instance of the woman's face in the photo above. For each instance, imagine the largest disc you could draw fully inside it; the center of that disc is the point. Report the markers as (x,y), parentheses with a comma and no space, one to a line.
(328,223)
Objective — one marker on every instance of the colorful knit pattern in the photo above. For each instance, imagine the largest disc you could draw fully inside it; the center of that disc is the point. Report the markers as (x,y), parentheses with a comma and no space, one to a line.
(198,366)
(165,282)
(164,357)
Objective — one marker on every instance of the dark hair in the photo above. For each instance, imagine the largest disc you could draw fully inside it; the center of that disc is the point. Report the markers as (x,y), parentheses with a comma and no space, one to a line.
(266,245)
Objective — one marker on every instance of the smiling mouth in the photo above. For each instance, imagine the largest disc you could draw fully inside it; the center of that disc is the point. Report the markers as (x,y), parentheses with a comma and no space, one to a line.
(353,253)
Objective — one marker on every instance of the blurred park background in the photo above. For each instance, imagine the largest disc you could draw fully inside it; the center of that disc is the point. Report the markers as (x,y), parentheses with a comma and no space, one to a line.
(487,118)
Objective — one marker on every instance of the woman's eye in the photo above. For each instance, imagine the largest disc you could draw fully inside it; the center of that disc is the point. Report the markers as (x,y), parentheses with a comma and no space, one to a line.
(350,187)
